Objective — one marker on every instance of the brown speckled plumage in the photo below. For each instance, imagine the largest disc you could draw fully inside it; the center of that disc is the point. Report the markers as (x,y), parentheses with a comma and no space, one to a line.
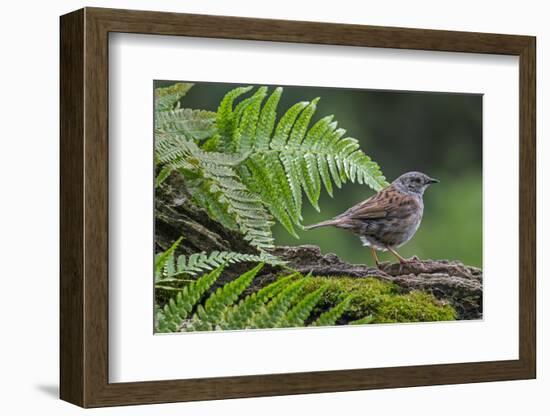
(388,219)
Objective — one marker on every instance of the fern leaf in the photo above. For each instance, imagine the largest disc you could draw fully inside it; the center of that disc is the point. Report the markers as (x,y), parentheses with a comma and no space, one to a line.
(191,124)
(201,262)
(169,267)
(328,137)
(300,127)
(273,313)
(310,179)
(163,258)
(266,121)
(167,98)
(284,126)
(210,202)
(269,191)
(225,296)
(226,120)
(240,315)
(322,165)
(332,315)
(235,204)
(331,159)
(178,308)
(264,166)
(363,321)
(163,175)
(244,140)
(293,174)
(282,188)
(300,312)
(307,157)
(317,132)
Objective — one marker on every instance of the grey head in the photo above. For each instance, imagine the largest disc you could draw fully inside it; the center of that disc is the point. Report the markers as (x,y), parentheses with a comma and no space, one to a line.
(414,183)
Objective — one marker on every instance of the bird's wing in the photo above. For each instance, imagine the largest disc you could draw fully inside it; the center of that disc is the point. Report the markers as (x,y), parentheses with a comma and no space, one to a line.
(378,206)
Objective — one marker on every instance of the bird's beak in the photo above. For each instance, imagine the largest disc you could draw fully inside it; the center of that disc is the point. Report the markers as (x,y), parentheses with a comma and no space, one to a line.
(432,180)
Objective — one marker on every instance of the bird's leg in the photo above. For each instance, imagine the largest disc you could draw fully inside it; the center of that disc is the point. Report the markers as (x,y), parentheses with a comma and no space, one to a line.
(402,260)
(375,257)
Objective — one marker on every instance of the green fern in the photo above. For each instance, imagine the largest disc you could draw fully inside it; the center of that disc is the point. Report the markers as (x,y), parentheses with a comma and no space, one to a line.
(274,313)
(282,303)
(211,314)
(213,203)
(213,173)
(366,320)
(192,124)
(240,315)
(285,159)
(300,312)
(166,257)
(167,98)
(253,169)
(227,119)
(179,307)
(202,261)
(171,269)
(332,315)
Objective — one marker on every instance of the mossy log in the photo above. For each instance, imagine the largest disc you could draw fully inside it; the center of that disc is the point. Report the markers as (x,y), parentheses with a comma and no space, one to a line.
(449,281)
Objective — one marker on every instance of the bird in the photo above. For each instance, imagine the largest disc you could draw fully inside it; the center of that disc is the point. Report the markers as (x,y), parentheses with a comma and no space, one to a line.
(388,219)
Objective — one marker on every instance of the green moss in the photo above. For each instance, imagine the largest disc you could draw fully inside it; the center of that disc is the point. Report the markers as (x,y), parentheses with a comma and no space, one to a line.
(382,301)
(415,306)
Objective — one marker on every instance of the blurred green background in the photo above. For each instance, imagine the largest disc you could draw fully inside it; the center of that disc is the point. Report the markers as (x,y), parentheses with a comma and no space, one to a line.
(439,134)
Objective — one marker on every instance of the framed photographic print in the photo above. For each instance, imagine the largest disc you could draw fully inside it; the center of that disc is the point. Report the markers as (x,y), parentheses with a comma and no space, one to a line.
(262,207)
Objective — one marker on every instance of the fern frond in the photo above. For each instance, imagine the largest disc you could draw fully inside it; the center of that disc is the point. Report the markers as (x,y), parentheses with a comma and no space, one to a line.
(213,310)
(240,315)
(333,314)
(366,320)
(266,121)
(300,312)
(226,120)
(201,262)
(167,98)
(202,195)
(163,175)
(245,133)
(266,183)
(278,177)
(191,124)
(217,178)
(300,127)
(166,257)
(273,313)
(178,308)
(280,304)
(180,153)
(255,169)
(310,179)
(296,158)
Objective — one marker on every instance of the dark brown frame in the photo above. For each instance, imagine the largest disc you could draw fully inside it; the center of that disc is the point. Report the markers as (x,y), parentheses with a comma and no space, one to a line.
(84,208)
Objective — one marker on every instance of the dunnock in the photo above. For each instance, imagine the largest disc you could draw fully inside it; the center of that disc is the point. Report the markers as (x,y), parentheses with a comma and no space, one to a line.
(388,219)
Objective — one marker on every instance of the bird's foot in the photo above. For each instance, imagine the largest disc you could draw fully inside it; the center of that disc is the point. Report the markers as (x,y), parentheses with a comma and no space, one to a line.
(413,259)
(404,262)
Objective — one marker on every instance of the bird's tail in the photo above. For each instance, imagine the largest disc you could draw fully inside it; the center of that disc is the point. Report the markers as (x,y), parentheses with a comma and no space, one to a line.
(321,224)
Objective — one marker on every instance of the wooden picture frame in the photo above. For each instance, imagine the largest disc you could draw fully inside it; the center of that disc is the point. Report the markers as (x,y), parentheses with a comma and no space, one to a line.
(84,207)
